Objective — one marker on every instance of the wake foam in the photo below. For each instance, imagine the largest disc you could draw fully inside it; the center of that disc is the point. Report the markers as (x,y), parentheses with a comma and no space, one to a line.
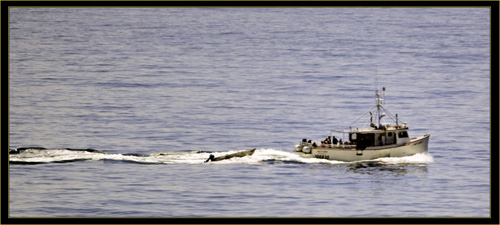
(263,155)
(420,158)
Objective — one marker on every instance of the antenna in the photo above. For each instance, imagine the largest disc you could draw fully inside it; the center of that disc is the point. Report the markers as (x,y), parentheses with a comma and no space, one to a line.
(379,99)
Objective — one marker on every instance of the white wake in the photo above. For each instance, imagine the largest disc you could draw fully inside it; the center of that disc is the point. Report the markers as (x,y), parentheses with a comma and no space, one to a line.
(261,155)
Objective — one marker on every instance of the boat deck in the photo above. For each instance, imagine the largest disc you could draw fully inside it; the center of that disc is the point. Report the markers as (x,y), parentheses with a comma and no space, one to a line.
(351,147)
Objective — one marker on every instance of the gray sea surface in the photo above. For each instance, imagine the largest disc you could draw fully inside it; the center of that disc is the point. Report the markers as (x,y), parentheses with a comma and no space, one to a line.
(129,102)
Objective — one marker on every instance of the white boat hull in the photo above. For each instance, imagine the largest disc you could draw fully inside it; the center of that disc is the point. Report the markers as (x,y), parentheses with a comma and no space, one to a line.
(350,153)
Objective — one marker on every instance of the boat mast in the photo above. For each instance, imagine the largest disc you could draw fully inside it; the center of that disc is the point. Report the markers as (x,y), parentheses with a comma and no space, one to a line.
(379,101)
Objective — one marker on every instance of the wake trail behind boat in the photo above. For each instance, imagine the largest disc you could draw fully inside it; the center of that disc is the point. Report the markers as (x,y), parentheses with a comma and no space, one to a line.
(29,156)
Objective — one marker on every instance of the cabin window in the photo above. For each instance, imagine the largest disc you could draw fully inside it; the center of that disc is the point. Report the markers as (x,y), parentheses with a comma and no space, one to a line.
(352,137)
(364,140)
(403,134)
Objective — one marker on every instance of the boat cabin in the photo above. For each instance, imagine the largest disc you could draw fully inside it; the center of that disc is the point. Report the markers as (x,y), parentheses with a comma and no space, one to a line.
(378,136)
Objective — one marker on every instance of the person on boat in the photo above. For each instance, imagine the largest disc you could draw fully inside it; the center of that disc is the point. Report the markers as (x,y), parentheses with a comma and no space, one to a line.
(327,140)
(210,158)
(335,141)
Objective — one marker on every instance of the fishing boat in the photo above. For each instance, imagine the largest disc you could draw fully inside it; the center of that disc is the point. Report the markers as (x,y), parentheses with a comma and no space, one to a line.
(233,155)
(378,140)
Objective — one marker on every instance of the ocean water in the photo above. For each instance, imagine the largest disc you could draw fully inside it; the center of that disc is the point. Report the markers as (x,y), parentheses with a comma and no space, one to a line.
(121,106)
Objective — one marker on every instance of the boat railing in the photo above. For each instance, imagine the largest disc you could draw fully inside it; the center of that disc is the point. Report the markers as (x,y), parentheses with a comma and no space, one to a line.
(338,145)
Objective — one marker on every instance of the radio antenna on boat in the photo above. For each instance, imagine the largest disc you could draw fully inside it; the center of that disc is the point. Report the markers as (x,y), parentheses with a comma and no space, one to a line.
(380,102)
